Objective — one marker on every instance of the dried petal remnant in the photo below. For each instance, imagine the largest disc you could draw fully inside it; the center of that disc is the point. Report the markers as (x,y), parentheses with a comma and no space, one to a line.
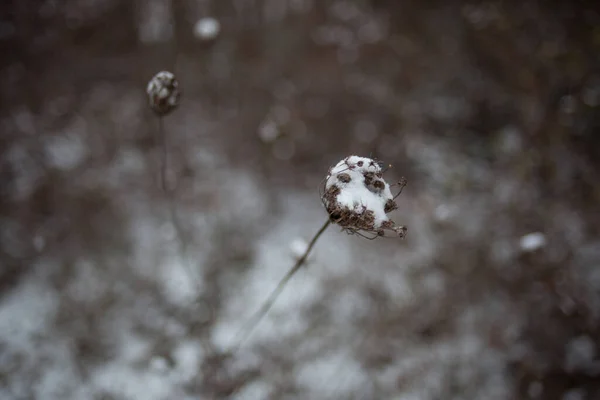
(163,93)
(358,198)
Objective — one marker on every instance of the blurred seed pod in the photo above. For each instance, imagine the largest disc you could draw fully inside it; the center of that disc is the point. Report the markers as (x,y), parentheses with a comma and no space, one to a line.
(163,93)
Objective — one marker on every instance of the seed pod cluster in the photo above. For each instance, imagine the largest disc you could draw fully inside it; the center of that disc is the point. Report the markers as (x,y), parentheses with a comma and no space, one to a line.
(163,93)
(358,199)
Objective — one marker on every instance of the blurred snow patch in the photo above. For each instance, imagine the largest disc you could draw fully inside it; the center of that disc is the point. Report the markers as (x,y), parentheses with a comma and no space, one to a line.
(128,162)
(243,201)
(254,391)
(39,242)
(575,394)
(322,378)
(510,140)
(207,28)
(126,381)
(181,284)
(159,364)
(268,131)
(27,172)
(349,305)
(297,247)
(25,312)
(579,354)
(443,213)
(155,22)
(532,241)
(188,356)
(24,121)
(66,151)
(132,347)
(88,284)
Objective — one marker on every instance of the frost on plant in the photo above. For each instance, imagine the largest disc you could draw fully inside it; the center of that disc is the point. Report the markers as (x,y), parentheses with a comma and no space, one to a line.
(163,93)
(358,199)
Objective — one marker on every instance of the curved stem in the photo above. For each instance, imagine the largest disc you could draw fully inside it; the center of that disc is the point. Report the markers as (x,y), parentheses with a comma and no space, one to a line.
(256,318)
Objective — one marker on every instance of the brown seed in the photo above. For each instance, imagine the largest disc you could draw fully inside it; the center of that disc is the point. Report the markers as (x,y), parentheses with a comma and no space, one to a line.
(379,185)
(345,178)
(387,225)
(390,206)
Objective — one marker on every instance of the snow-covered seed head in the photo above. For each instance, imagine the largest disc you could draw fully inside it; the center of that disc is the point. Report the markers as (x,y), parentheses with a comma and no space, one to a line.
(163,93)
(358,198)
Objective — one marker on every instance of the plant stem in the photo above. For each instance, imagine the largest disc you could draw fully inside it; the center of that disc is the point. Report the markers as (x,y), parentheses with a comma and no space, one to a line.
(162,142)
(170,200)
(256,318)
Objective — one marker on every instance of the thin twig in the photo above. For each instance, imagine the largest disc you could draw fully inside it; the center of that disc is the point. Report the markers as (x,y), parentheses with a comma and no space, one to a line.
(402,184)
(169,197)
(256,318)
(162,142)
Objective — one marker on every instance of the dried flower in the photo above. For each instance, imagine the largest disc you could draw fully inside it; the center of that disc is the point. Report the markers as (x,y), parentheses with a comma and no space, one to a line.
(358,199)
(163,93)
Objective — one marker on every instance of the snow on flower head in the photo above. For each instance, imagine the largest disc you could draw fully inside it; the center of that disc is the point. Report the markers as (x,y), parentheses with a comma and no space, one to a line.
(163,93)
(358,198)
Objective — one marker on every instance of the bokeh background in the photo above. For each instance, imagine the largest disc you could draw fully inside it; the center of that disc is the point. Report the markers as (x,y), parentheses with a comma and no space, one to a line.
(111,288)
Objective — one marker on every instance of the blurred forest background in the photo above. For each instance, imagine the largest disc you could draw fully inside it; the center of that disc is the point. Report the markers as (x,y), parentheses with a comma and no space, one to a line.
(111,288)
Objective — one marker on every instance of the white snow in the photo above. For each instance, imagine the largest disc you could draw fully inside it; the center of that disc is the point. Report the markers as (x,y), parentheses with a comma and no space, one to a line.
(355,195)
(188,356)
(532,241)
(253,391)
(268,131)
(180,281)
(297,247)
(67,151)
(25,312)
(207,28)
(322,377)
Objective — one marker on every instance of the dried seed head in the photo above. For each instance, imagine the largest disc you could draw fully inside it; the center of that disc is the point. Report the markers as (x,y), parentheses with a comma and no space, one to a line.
(163,93)
(358,198)
(379,184)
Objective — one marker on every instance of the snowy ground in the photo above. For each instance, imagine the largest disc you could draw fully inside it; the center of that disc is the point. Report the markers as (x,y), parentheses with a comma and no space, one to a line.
(112,289)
